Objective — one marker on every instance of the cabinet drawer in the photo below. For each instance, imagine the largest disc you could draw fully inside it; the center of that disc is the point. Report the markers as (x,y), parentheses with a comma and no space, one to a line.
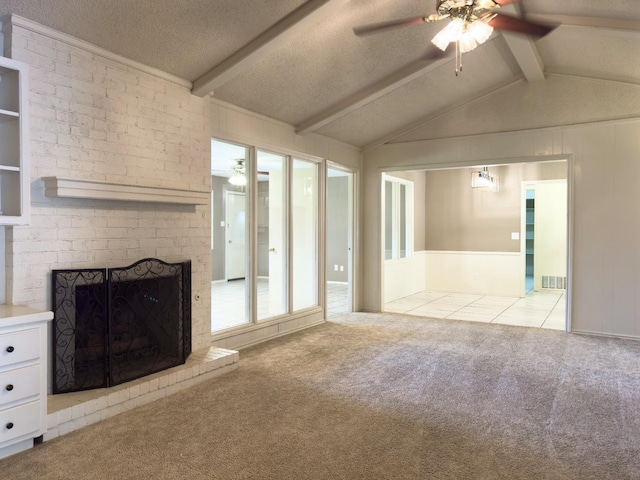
(19,383)
(19,346)
(18,421)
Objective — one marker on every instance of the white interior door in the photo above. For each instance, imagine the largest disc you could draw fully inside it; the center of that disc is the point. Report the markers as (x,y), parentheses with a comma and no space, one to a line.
(235,256)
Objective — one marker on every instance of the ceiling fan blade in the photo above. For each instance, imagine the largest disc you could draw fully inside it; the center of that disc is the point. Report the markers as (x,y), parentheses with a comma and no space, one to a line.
(378,27)
(518,25)
(502,3)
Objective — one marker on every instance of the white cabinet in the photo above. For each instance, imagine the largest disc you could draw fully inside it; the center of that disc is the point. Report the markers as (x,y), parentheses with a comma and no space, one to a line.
(14,143)
(23,377)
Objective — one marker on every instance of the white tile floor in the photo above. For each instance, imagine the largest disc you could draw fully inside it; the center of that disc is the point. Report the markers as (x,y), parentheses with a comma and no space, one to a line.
(337,301)
(228,304)
(537,309)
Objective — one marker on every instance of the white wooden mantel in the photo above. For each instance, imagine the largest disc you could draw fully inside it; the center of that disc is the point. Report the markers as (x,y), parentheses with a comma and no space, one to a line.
(99,190)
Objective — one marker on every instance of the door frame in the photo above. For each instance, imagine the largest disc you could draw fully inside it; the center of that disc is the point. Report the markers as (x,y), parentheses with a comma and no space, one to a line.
(352,235)
(526,185)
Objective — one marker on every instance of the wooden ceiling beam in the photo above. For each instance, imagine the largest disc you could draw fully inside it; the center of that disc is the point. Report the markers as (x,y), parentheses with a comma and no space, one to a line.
(524,49)
(369,94)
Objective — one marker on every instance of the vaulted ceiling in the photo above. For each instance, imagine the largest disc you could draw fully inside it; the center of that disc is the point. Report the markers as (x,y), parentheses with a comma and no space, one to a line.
(299,61)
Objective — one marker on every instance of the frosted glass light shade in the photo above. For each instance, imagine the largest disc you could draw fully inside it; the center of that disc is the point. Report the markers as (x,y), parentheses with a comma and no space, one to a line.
(451,33)
(480,31)
(485,180)
(468,35)
(467,43)
(238,180)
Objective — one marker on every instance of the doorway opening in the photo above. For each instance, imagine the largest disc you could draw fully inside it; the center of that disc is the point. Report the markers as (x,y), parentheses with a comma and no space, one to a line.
(472,257)
(339,241)
(545,231)
(529,235)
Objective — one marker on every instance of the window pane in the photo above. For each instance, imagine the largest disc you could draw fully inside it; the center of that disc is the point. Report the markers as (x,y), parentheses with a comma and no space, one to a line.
(230,246)
(304,233)
(272,253)
(398,218)
(403,221)
(388,220)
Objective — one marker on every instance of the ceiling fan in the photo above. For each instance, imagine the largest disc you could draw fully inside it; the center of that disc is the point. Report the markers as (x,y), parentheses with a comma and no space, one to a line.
(237,173)
(471,23)
(238,177)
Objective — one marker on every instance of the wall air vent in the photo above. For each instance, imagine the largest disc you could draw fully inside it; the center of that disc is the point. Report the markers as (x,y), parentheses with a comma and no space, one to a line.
(554,282)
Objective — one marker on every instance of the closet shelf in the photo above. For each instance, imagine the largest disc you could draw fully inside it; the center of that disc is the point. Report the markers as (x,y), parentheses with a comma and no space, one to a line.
(99,190)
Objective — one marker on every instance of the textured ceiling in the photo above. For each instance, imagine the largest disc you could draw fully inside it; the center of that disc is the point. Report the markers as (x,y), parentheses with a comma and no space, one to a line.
(315,74)
(182,37)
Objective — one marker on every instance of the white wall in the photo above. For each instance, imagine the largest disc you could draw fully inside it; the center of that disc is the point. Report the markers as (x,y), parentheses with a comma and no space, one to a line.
(488,273)
(398,272)
(606,229)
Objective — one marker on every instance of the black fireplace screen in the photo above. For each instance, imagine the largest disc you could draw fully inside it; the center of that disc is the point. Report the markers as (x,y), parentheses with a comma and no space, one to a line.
(112,326)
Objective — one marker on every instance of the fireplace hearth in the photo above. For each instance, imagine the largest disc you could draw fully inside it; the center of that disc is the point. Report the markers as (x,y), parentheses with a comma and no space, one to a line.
(114,325)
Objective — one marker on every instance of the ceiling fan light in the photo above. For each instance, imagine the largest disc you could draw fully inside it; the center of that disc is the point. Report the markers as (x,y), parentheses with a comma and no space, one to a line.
(238,177)
(467,43)
(485,180)
(480,31)
(238,180)
(486,4)
(451,33)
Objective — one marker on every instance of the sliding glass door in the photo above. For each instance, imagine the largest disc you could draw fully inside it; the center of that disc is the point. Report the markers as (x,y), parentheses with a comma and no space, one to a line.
(272,235)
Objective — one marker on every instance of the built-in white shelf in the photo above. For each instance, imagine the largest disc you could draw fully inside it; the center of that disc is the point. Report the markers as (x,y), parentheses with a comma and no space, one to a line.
(99,190)
(14,143)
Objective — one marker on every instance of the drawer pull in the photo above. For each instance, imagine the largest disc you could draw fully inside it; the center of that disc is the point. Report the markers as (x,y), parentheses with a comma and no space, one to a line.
(10,349)
(9,387)
(9,426)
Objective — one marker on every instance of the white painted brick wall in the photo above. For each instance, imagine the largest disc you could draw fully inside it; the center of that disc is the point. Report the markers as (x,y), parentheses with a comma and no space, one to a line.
(93,118)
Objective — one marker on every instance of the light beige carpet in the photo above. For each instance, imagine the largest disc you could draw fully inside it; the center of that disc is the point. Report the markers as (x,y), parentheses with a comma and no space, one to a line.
(380,397)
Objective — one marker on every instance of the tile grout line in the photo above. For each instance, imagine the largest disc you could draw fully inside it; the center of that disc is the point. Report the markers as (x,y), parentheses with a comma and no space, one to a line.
(503,311)
(464,306)
(551,311)
(421,305)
